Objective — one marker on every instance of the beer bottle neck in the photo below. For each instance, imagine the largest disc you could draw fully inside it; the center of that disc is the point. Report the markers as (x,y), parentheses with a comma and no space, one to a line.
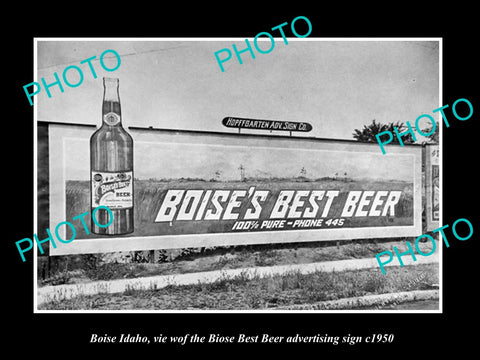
(111,110)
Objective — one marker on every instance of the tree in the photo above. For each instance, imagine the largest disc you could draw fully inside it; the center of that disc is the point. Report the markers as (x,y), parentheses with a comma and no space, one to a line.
(367,134)
(433,138)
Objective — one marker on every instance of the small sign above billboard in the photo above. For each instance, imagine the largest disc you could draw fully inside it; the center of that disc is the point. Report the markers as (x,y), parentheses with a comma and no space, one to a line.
(258,124)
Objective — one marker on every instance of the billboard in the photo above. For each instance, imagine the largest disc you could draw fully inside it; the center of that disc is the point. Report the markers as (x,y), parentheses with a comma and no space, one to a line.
(432,186)
(197,189)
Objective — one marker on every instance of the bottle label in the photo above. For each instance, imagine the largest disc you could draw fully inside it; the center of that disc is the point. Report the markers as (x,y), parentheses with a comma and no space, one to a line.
(112,189)
(111,118)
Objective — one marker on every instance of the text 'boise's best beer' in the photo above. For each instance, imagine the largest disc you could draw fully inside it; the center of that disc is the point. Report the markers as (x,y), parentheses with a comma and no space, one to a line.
(111,165)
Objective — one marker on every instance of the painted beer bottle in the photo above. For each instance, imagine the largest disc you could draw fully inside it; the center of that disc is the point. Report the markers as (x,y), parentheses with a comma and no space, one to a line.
(111,167)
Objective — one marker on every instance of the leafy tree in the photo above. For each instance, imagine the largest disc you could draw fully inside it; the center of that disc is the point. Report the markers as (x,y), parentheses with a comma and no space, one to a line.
(367,134)
(433,138)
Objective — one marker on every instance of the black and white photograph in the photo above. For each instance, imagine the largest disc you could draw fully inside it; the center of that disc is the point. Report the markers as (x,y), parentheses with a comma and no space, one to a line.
(277,185)
(258,217)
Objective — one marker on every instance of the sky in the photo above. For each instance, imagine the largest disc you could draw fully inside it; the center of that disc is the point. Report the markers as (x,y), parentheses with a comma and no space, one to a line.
(337,86)
(169,160)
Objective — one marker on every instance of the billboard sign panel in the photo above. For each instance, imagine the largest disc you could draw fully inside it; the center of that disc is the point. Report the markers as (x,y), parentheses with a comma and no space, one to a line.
(432,191)
(196,189)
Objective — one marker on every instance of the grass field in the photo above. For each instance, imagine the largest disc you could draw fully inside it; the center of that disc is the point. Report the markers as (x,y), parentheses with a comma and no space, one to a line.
(239,292)
(260,293)
(74,269)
